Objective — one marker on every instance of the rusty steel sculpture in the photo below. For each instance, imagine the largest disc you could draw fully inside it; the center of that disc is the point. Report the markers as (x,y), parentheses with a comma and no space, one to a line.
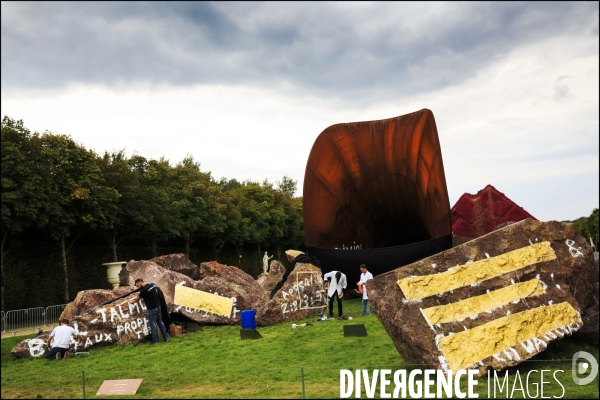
(375,193)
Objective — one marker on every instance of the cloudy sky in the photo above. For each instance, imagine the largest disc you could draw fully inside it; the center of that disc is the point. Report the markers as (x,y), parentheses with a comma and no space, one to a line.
(245,88)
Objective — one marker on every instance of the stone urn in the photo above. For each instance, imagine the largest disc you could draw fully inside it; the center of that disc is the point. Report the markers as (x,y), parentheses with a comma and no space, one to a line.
(112,272)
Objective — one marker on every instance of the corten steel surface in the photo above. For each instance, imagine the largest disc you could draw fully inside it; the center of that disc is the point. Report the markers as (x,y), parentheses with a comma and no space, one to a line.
(376,184)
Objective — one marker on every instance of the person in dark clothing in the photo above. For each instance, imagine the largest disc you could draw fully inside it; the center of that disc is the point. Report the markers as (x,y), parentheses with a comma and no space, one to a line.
(149,293)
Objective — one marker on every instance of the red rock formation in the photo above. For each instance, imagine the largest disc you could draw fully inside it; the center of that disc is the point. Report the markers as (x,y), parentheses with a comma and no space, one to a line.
(476,215)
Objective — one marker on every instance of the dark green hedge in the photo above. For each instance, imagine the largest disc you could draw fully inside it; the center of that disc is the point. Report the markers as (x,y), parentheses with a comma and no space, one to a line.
(33,274)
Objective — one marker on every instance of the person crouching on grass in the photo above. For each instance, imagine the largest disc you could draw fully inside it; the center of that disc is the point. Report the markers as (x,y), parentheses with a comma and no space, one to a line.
(62,334)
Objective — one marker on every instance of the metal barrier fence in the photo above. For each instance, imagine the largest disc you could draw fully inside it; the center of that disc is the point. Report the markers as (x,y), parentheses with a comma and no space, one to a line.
(31,318)
(53,313)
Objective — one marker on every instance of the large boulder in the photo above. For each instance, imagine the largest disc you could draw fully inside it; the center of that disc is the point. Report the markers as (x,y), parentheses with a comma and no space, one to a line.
(35,347)
(179,263)
(123,321)
(493,301)
(302,295)
(88,299)
(215,278)
(276,271)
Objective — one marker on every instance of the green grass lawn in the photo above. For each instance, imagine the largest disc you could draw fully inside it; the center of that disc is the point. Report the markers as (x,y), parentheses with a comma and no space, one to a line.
(215,363)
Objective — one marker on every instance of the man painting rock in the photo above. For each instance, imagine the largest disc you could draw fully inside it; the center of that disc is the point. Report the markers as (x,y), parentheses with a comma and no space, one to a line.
(150,295)
(59,341)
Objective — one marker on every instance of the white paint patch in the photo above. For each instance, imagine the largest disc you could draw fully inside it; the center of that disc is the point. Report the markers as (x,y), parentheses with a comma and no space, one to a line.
(443,363)
(426,319)
(541,281)
(575,251)
(36,347)
(487,255)
(406,302)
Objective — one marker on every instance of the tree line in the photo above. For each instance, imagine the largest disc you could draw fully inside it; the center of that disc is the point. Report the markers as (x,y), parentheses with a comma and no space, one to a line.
(588,227)
(59,188)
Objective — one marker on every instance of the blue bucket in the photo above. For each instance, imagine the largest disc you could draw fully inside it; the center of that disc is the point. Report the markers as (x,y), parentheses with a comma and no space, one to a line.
(248,319)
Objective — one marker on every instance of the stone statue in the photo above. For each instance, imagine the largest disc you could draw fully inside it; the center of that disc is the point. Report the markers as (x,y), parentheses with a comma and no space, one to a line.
(266,259)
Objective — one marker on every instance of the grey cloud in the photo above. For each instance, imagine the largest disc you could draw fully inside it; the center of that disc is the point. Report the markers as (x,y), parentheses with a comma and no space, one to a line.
(331,49)
(561,88)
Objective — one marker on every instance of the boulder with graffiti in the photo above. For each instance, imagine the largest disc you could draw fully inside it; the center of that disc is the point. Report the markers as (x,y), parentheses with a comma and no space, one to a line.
(215,294)
(492,302)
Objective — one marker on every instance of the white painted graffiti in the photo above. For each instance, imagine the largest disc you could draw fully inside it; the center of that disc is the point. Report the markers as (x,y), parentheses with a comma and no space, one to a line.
(305,294)
(575,251)
(537,344)
(37,347)
(123,318)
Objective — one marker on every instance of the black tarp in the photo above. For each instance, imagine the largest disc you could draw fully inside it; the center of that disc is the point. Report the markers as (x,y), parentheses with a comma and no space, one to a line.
(378,261)
(302,258)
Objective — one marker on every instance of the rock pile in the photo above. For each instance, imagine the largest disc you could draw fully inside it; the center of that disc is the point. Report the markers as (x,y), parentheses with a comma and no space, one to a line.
(124,321)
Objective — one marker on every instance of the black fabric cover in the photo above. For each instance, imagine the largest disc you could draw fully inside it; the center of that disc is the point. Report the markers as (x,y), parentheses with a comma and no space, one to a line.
(166,318)
(250,334)
(302,258)
(378,261)
(355,330)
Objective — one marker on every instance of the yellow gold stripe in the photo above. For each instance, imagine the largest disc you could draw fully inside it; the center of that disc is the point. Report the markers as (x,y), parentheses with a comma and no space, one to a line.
(188,297)
(466,348)
(419,287)
(478,304)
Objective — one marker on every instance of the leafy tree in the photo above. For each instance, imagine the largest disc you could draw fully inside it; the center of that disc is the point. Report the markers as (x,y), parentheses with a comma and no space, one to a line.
(292,230)
(264,220)
(119,176)
(228,184)
(233,230)
(588,226)
(21,180)
(592,226)
(157,218)
(77,195)
(197,200)
(287,186)
(253,202)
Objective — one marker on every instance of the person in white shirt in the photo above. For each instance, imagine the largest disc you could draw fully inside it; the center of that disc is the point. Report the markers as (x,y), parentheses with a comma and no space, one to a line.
(364,277)
(62,334)
(337,282)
